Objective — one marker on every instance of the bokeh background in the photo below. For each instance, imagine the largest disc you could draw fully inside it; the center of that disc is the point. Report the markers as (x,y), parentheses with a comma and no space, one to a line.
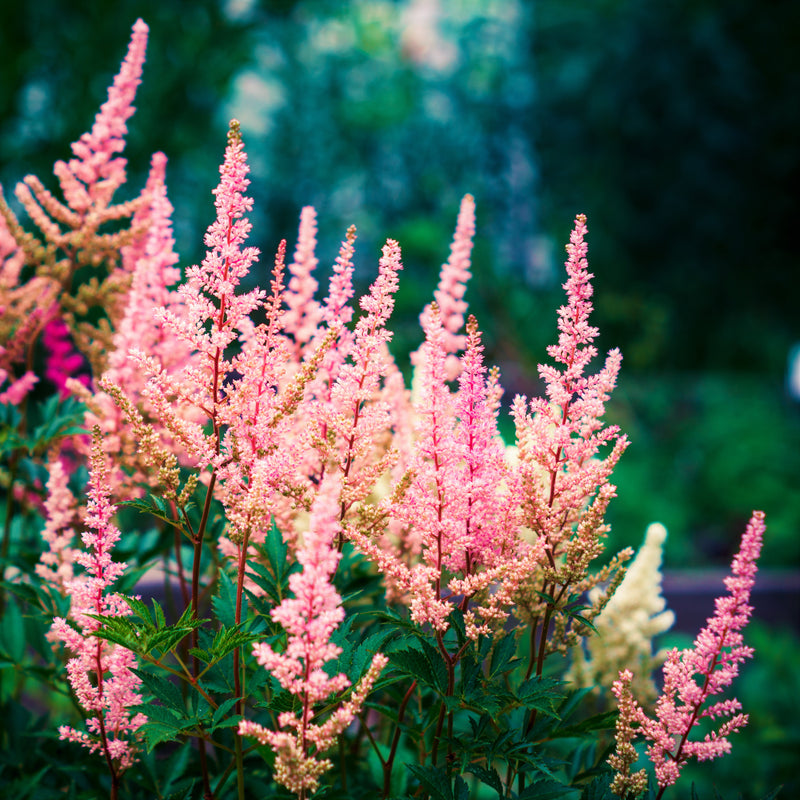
(673,126)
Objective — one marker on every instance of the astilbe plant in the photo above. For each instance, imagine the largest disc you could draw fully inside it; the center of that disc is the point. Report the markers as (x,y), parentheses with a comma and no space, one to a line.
(368,593)
(100,673)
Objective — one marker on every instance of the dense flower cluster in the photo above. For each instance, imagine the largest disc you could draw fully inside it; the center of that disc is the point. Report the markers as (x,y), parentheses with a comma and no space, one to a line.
(111,726)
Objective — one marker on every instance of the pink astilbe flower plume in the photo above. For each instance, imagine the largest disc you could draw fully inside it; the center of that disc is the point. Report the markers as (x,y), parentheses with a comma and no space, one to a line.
(363,414)
(693,676)
(152,261)
(100,673)
(73,230)
(91,178)
(449,294)
(209,316)
(23,309)
(310,617)
(57,561)
(303,313)
(559,440)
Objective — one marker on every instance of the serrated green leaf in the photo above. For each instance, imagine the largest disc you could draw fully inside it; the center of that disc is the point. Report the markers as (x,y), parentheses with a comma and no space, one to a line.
(158,613)
(224,602)
(597,722)
(227,640)
(156,507)
(155,733)
(502,655)
(159,714)
(221,711)
(202,655)
(542,694)
(140,610)
(489,777)
(167,639)
(545,790)
(163,689)
(598,789)
(420,666)
(461,789)
(122,631)
(434,780)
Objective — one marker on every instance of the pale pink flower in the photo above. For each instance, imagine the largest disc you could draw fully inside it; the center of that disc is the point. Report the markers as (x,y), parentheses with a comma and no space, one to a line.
(152,261)
(90,179)
(208,317)
(303,313)
(559,440)
(18,388)
(362,417)
(693,676)
(56,562)
(100,673)
(309,618)
(449,294)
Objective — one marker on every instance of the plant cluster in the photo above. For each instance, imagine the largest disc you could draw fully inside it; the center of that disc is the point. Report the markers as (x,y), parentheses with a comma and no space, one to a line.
(366,593)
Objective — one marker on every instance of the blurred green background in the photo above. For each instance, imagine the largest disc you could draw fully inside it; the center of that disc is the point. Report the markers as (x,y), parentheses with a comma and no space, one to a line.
(673,126)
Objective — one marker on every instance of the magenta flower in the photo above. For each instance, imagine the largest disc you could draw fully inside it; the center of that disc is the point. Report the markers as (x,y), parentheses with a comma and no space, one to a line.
(62,359)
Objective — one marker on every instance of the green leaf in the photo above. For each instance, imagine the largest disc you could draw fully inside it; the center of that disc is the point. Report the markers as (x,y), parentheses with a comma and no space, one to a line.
(221,711)
(224,602)
(156,507)
(140,610)
(228,639)
(272,576)
(545,790)
(58,419)
(123,631)
(502,655)
(488,777)
(13,631)
(434,780)
(156,732)
(166,691)
(542,694)
(584,621)
(598,789)
(597,722)
(420,664)
(462,790)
